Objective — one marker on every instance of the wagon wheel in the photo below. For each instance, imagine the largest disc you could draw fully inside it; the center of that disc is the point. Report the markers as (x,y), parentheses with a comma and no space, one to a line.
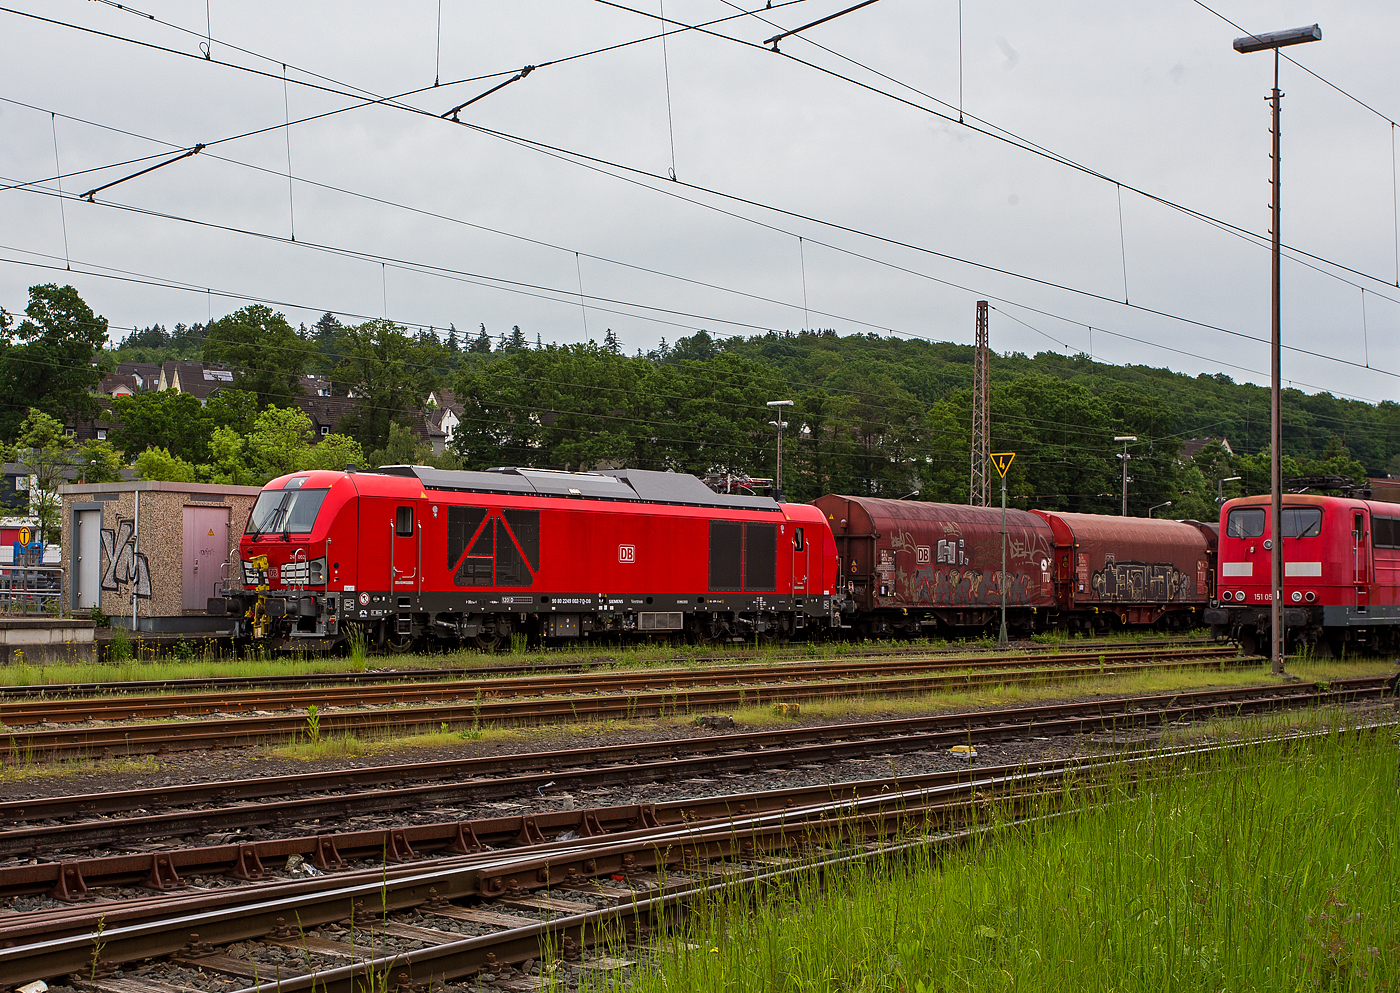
(397,646)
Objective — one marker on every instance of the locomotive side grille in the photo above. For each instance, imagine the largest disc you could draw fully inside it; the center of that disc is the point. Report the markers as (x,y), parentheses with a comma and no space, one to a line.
(658,620)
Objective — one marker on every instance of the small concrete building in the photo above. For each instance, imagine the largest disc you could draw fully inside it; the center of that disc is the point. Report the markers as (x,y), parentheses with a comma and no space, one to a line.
(160,547)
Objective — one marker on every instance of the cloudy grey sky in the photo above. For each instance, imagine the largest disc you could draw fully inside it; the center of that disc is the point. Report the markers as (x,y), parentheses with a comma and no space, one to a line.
(890,215)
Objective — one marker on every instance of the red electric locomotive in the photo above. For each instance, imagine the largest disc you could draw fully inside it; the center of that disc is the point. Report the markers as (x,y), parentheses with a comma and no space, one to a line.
(1341,568)
(408,552)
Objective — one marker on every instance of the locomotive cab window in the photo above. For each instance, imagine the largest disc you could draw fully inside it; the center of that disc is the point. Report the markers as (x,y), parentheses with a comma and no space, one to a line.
(1385,532)
(1302,522)
(797,540)
(403,522)
(1245,522)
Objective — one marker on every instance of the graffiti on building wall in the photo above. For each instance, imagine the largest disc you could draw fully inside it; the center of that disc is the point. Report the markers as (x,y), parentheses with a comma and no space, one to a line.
(124,569)
(1142,582)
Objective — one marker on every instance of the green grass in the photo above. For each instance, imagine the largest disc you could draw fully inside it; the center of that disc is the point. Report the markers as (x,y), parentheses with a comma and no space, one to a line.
(13,769)
(1276,871)
(1150,681)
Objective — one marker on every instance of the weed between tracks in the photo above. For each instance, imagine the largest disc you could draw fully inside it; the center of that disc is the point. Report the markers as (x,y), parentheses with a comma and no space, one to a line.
(1275,870)
(349,746)
(1025,694)
(17,768)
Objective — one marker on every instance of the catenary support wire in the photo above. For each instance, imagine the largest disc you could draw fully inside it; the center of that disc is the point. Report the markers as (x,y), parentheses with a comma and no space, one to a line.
(582,306)
(62,211)
(802,261)
(287,131)
(666,71)
(1122,241)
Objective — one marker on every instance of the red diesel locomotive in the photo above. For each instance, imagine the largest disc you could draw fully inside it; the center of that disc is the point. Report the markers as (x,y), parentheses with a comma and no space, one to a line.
(408,552)
(1341,573)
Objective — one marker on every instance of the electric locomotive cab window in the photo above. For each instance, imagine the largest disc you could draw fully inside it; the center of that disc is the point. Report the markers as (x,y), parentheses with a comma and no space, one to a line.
(1385,532)
(797,539)
(1302,522)
(403,522)
(1245,522)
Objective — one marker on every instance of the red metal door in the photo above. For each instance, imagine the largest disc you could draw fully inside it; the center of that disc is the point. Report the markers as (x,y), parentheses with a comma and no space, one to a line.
(801,562)
(1361,558)
(403,559)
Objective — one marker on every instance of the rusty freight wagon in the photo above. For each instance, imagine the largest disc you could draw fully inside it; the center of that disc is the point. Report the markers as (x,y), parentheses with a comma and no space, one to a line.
(932,568)
(1130,571)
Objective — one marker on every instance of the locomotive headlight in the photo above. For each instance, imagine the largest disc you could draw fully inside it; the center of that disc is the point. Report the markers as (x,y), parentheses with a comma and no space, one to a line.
(1310,596)
(1239,595)
(1297,597)
(1227,595)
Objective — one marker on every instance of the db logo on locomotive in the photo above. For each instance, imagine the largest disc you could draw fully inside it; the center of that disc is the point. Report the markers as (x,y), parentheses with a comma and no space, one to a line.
(627,553)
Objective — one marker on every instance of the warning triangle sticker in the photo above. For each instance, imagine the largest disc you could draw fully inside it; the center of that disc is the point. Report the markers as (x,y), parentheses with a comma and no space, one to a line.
(1002,460)
(211,532)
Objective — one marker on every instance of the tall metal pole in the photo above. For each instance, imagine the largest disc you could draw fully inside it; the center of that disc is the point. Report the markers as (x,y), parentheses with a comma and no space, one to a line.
(977,494)
(1276,647)
(1125,479)
(1001,639)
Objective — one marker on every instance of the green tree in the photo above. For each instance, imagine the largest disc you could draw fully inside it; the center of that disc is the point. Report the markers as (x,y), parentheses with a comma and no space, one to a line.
(278,444)
(97,462)
(46,361)
(266,350)
(378,365)
(334,451)
(43,449)
(165,419)
(157,464)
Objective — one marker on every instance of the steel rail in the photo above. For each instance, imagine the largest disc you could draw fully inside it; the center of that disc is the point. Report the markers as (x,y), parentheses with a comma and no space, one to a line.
(240,915)
(113,738)
(610,766)
(376,676)
(632,681)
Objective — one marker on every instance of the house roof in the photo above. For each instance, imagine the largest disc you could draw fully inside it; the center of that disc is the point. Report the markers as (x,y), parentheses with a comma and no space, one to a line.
(195,378)
(147,374)
(1190,449)
(327,411)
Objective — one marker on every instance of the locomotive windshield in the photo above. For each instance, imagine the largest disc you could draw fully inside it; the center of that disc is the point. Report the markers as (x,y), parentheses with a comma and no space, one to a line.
(1245,522)
(285,512)
(1302,522)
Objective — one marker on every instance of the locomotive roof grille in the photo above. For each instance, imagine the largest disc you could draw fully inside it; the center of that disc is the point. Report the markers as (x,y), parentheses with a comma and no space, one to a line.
(628,485)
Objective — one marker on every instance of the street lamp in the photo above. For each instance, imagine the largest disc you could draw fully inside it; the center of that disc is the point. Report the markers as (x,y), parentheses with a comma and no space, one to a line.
(1158,506)
(1220,487)
(1125,438)
(1262,43)
(779,424)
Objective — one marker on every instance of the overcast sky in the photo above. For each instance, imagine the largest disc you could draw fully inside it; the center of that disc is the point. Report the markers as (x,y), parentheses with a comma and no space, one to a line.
(1151,96)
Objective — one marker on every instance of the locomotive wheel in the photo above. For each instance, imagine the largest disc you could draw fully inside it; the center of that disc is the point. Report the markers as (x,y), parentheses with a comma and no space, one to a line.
(488,642)
(397,646)
(1249,643)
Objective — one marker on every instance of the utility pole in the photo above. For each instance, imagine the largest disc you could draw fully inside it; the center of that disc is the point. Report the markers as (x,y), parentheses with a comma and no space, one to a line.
(981,432)
(778,406)
(1002,460)
(1261,43)
(1125,438)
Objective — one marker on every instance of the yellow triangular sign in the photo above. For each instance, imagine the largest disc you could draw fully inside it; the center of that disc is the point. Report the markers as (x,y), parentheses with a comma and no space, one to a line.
(211,532)
(1002,460)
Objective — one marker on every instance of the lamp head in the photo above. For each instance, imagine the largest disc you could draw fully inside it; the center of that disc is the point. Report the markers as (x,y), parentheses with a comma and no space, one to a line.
(1277,39)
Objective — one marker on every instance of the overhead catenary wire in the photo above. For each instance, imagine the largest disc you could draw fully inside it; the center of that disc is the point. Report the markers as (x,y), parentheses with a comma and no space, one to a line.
(455,273)
(837,250)
(988,130)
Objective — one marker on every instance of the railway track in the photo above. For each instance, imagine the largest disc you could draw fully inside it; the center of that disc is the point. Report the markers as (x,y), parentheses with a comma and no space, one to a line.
(398,926)
(626,697)
(37,828)
(430,674)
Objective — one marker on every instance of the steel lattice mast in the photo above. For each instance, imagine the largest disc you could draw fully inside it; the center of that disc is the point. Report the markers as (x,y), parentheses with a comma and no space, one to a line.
(981,420)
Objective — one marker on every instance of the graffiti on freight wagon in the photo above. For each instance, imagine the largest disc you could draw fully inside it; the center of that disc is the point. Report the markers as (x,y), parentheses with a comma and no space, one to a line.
(124,569)
(1148,582)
